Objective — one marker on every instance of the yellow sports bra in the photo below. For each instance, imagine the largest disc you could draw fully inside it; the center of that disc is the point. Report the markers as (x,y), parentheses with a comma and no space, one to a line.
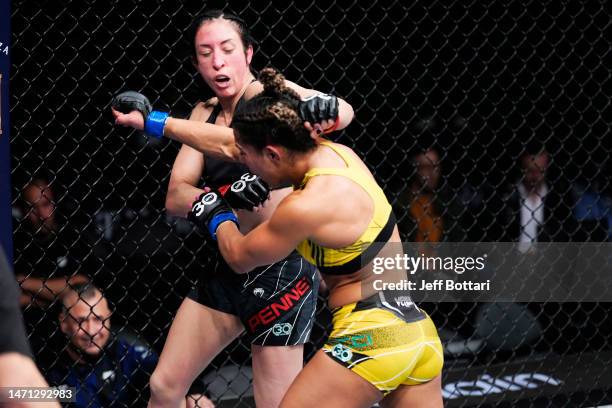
(349,259)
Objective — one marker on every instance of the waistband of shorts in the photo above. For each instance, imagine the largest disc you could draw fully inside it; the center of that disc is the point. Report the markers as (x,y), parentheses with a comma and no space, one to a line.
(223,267)
(409,312)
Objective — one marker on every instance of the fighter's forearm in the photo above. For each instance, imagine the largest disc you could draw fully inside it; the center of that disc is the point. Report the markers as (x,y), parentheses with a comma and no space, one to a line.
(214,140)
(231,248)
(180,198)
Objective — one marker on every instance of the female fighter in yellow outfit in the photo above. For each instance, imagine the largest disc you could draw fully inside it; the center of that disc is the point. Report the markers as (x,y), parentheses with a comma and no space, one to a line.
(334,214)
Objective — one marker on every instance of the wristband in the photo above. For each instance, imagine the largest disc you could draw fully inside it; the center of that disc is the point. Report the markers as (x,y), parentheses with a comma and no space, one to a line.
(154,124)
(218,220)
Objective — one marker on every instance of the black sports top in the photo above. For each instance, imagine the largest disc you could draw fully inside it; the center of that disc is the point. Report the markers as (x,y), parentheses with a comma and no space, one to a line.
(218,173)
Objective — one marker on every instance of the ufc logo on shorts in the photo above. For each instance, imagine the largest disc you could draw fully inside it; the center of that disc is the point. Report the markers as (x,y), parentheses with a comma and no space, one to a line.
(282,329)
(342,353)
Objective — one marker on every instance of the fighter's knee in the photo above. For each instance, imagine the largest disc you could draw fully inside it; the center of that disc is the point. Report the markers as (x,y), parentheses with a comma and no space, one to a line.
(165,386)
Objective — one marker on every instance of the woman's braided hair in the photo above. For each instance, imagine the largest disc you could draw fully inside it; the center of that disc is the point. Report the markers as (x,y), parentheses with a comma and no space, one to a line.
(272,117)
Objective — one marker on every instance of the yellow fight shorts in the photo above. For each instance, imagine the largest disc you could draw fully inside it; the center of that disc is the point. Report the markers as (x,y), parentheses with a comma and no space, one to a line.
(386,345)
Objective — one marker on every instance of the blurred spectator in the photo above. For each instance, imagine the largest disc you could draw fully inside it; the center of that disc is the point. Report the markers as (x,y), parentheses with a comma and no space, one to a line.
(428,211)
(540,208)
(106,369)
(537,209)
(45,264)
(48,256)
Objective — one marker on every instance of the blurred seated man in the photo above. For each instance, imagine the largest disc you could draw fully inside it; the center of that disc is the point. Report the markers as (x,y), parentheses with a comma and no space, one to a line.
(537,209)
(428,212)
(46,260)
(48,255)
(105,369)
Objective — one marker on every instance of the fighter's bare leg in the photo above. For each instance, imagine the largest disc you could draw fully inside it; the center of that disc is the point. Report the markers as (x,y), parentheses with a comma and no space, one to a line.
(324,383)
(197,335)
(274,369)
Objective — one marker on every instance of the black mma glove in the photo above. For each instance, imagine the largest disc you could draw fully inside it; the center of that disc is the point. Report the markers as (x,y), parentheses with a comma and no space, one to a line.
(129,101)
(209,211)
(247,192)
(317,108)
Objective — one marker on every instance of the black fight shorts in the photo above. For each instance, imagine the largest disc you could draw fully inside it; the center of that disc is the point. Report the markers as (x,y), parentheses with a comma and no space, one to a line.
(275,303)
(12,331)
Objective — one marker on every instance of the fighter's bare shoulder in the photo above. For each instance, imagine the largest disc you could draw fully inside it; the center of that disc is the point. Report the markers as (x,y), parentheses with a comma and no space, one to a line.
(201,111)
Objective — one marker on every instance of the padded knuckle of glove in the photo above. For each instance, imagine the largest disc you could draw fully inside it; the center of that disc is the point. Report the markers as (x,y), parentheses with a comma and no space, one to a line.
(129,101)
(247,192)
(205,205)
(317,108)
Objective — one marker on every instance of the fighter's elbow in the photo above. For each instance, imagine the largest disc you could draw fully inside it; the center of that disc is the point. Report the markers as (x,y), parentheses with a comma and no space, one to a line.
(346,114)
(171,208)
(236,263)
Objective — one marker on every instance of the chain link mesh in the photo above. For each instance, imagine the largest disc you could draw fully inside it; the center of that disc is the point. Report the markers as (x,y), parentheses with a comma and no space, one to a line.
(480,82)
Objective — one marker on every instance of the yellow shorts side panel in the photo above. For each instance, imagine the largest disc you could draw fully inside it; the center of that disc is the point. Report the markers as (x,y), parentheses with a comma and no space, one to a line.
(384,349)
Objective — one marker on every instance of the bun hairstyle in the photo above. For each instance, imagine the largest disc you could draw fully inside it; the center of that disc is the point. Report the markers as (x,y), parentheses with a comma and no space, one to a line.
(272,118)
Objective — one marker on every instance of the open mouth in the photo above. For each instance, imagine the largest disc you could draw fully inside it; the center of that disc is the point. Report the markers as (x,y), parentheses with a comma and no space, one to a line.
(221,79)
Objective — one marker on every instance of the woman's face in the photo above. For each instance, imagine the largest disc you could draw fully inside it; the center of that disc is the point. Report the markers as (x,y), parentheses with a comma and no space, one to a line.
(221,59)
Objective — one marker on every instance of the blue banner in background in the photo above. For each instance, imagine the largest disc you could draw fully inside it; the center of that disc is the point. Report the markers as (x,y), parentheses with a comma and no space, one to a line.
(5,157)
